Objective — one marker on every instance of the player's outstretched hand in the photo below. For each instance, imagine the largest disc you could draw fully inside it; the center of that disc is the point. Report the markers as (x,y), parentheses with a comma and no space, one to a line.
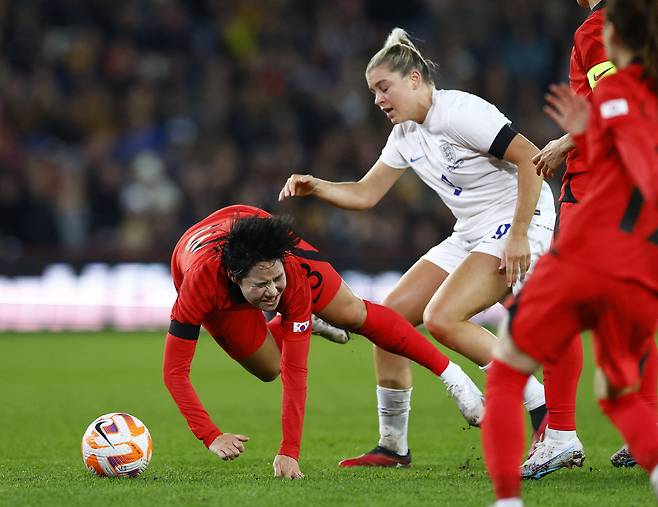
(228,446)
(286,467)
(551,157)
(298,185)
(568,110)
(516,258)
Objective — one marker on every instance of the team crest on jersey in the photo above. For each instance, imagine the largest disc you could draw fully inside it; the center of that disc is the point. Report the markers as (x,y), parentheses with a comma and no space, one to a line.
(299,327)
(449,152)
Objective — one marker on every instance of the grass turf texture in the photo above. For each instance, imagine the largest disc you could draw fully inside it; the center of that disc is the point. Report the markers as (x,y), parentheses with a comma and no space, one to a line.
(54,385)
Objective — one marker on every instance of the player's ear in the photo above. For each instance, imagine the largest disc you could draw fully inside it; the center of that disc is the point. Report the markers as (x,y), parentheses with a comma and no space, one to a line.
(415,78)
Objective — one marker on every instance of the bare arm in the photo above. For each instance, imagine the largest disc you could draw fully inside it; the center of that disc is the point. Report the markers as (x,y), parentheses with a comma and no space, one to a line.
(516,259)
(353,195)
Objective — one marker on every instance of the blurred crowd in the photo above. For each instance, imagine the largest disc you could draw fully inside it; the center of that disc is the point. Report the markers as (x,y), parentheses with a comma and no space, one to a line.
(124,122)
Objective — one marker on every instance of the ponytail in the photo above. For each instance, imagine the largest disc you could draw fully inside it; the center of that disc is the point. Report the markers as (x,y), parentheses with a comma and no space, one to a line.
(400,55)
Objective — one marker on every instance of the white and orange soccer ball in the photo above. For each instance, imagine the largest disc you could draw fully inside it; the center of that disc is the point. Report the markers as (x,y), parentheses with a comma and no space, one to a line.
(117,445)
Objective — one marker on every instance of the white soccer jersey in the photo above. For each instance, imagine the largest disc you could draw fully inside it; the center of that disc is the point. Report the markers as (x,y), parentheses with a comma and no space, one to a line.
(449,151)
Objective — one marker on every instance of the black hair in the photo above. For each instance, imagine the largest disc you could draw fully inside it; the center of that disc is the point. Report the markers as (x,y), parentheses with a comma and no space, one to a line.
(256,239)
(636,23)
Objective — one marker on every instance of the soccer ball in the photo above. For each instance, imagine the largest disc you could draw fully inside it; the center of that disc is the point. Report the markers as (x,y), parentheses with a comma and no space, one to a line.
(117,445)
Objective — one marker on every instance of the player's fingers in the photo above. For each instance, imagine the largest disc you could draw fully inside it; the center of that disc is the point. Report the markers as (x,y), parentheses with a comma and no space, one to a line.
(242,438)
(512,272)
(537,158)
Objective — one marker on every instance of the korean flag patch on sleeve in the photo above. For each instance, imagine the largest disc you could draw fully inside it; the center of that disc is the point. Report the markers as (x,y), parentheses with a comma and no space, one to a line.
(300,327)
(614,107)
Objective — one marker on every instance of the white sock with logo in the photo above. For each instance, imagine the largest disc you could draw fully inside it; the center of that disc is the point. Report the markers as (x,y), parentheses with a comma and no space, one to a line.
(393,407)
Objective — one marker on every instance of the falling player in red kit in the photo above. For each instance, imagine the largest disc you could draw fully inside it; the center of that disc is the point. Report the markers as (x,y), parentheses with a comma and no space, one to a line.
(241,261)
(559,445)
(602,273)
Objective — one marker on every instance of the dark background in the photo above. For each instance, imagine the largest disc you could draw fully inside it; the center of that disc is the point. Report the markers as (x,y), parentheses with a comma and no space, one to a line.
(124,122)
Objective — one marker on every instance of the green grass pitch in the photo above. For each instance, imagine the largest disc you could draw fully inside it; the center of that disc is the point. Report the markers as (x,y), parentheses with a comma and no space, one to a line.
(53,385)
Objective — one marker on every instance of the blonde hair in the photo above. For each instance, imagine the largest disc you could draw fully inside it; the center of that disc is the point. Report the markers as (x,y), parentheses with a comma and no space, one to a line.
(400,55)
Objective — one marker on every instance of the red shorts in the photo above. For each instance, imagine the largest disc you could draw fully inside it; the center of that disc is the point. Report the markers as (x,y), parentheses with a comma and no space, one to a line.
(561,299)
(241,330)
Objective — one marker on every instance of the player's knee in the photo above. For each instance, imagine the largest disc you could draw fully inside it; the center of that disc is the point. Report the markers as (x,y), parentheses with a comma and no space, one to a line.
(353,314)
(440,326)
(269,374)
(606,392)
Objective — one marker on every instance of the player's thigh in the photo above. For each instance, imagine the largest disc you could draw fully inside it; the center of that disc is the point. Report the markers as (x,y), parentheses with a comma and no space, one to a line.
(415,289)
(475,285)
(345,310)
(243,334)
(624,332)
(265,362)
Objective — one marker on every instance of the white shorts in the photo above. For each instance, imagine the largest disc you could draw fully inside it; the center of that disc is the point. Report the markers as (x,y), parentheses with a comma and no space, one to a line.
(453,250)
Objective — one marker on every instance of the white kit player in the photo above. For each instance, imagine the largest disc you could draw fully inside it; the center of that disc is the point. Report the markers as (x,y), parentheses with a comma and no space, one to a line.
(463,148)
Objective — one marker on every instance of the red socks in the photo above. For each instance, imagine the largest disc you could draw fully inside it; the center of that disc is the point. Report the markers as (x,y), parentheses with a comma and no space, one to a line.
(648,385)
(561,386)
(637,423)
(393,333)
(503,430)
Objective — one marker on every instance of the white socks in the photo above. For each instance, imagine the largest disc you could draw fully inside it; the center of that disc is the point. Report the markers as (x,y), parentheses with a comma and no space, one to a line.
(533,394)
(453,374)
(560,435)
(509,502)
(393,406)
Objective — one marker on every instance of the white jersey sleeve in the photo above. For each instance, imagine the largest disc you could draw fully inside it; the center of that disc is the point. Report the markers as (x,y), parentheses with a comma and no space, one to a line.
(391,155)
(475,122)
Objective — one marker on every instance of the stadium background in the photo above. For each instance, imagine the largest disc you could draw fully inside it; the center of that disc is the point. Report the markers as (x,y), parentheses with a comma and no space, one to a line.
(124,122)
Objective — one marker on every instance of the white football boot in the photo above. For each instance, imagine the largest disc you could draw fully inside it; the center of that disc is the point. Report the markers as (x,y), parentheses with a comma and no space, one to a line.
(326,330)
(468,397)
(551,454)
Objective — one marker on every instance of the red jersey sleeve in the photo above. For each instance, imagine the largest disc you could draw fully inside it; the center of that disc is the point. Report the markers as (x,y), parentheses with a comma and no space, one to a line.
(621,114)
(197,296)
(296,324)
(178,356)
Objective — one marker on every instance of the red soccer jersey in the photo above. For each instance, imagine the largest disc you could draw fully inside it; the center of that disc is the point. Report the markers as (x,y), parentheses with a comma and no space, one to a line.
(588,64)
(206,294)
(615,228)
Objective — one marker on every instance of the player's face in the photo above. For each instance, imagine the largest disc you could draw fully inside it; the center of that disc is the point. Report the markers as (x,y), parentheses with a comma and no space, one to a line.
(264,284)
(583,3)
(394,93)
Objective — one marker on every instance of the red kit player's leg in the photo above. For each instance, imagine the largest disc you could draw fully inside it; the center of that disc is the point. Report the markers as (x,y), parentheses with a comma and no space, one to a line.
(561,386)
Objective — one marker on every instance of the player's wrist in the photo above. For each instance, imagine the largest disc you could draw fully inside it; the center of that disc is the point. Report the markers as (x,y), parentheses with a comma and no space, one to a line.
(210,437)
